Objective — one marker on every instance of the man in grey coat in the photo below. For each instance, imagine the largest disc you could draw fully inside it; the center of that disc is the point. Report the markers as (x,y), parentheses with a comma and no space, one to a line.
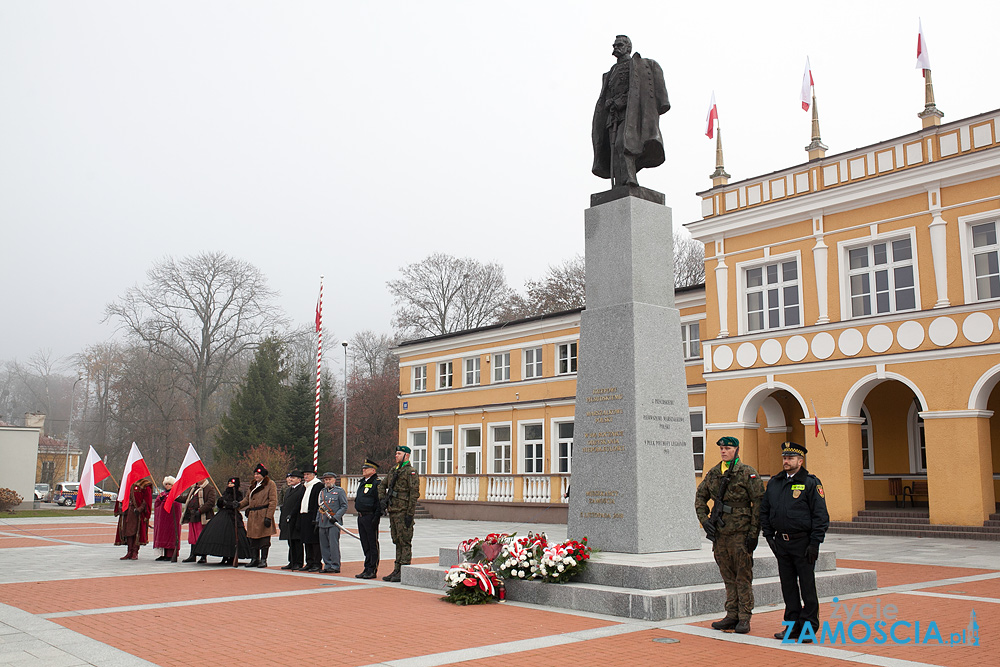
(332,506)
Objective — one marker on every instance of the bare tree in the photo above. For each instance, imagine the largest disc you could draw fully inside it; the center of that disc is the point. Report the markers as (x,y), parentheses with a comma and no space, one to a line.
(689,261)
(373,355)
(561,288)
(442,294)
(201,315)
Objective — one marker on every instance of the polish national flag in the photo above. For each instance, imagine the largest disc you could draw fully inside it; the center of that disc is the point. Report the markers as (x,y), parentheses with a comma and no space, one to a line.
(816,425)
(712,118)
(135,469)
(923,56)
(192,471)
(807,84)
(94,471)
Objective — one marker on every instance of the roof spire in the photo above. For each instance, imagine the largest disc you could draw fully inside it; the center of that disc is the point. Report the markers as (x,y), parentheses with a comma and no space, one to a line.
(816,147)
(719,176)
(931,115)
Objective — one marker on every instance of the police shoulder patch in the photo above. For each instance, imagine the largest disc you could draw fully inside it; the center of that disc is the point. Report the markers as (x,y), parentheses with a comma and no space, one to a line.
(819,490)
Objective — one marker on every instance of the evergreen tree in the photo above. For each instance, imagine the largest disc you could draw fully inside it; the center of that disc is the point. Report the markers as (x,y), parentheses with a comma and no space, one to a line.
(257,413)
(299,418)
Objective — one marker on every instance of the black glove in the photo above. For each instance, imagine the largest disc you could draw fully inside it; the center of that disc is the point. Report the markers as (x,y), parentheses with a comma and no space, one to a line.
(812,552)
(709,530)
(770,543)
(267,522)
(408,520)
(752,542)
(383,505)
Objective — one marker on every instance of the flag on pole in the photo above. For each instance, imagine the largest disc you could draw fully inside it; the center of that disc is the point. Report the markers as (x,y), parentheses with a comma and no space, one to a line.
(712,118)
(94,471)
(192,471)
(816,425)
(923,56)
(135,469)
(807,84)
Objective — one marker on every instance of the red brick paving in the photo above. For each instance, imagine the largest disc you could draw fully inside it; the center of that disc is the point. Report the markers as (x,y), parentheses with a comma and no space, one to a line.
(988,588)
(894,574)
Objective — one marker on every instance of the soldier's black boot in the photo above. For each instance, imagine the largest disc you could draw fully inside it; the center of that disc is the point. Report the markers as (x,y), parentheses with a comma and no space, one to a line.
(392,575)
(263,557)
(742,627)
(191,558)
(725,624)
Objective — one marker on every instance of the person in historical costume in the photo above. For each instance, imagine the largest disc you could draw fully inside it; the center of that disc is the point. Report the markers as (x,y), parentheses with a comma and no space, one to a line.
(308,523)
(288,523)
(332,506)
(366,504)
(198,511)
(626,126)
(225,534)
(399,492)
(166,525)
(133,523)
(259,505)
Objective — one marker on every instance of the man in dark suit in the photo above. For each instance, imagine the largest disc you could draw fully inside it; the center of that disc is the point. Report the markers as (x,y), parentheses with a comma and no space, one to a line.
(289,519)
(308,521)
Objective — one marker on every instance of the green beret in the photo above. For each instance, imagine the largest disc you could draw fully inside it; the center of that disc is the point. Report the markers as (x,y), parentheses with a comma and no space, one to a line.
(403,448)
(728,441)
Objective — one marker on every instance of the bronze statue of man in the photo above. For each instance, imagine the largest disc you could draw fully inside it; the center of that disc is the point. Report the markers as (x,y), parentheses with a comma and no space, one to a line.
(626,130)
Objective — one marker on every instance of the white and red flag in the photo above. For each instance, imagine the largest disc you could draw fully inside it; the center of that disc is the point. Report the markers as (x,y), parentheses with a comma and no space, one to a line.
(712,118)
(807,84)
(923,57)
(135,469)
(192,471)
(93,472)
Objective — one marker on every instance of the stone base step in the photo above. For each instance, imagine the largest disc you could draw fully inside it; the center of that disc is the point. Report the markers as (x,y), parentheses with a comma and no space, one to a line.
(987,533)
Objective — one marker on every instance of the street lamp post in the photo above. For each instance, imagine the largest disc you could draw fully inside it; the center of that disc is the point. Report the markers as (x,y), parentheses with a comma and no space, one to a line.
(344,471)
(69,428)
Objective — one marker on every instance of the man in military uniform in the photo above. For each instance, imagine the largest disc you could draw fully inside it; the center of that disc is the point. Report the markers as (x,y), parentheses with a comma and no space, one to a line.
(399,492)
(366,504)
(794,520)
(733,526)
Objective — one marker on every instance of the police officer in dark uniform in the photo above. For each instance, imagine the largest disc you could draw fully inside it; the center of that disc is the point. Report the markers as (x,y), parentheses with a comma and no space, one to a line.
(794,520)
(366,504)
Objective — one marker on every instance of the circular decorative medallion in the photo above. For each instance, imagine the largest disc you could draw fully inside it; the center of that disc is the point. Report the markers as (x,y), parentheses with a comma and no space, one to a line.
(943,331)
(796,348)
(910,334)
(850,341)
(746,355)
(722,357)
(879,338)
(977,327)
(823,345)
(770,351)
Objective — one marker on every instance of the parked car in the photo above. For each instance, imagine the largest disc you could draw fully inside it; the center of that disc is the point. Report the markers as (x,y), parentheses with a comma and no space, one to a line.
(65,494)
(42,491)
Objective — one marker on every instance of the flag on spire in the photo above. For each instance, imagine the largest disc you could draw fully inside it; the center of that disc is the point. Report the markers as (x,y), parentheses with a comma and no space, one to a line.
(192,471)
(807,84)
(712,118)
(923,56)
(93,472)
(135,469)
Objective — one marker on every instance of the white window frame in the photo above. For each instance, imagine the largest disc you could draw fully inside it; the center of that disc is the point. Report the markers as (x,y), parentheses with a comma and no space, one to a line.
(491,443)
(418,376)
(568,353)
(537,447)
(472,371)
(866,435)
(444,455)
(464,449)
(915,436)
(533,369)
(686,339)
(703,434)
(741,303)
(966,223)
(446,374)
(843,255)
(556,444)
(503,367)
(418,453)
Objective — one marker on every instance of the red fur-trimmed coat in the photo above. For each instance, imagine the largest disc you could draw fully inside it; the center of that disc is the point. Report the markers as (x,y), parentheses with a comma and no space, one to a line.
(134,522)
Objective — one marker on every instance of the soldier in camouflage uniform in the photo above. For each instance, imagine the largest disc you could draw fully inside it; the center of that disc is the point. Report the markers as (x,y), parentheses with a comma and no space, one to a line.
(733,527)
(399,491)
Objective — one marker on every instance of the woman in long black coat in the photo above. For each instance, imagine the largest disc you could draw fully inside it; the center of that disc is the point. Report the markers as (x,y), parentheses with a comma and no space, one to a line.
(221,535)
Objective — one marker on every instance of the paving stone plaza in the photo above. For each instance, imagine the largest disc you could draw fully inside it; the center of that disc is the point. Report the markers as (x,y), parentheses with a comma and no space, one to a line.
(66,599)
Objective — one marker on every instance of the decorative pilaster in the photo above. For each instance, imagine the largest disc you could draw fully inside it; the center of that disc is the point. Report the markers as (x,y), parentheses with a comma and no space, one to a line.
(722,292)
(939,249)
(820,252)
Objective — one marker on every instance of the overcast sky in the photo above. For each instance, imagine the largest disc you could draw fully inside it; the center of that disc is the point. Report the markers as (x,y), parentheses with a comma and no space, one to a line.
(350,138)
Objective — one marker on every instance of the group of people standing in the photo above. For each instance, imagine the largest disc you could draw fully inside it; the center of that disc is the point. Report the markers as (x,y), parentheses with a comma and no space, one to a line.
(790,512)
(312,514)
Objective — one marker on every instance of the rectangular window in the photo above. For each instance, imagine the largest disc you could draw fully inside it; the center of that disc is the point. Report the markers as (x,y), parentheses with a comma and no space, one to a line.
(420,378)
(445,376)
(444,457)
(532,363)
(418,451)
(501,449)
(772,296)
(472,371)
(501,367)
(533,446)
(691,340)
(698,438)
(473,449)
(564,447)
(986,260)
(881,278)
(566,354)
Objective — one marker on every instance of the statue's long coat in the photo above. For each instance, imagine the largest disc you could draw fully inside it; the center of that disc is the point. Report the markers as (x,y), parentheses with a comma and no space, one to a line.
(647,100)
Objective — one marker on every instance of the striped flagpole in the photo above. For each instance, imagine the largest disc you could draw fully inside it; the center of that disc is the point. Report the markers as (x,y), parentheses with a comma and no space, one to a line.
(319,368)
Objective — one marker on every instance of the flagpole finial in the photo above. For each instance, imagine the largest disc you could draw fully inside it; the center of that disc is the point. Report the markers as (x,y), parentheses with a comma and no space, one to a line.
(816,147)
(719,176)
(931,115)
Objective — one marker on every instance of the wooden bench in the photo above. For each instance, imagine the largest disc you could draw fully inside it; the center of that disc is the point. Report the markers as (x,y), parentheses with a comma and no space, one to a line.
(896,489)
(917,487)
